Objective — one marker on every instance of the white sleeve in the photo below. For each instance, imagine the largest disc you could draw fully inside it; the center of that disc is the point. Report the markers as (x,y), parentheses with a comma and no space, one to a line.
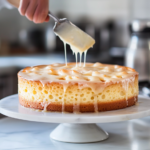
(5,3)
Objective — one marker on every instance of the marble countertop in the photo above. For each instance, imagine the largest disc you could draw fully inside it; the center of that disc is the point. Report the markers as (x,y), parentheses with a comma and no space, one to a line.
(26,135)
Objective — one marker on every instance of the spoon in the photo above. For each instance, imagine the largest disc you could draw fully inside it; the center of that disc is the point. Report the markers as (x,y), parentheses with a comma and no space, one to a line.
(78,40)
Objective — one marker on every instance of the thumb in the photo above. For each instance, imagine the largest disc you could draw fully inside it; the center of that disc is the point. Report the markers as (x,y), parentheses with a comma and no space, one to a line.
(47,19)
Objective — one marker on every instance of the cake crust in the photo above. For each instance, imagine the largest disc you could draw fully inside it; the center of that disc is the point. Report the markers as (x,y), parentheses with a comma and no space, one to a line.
(105,106)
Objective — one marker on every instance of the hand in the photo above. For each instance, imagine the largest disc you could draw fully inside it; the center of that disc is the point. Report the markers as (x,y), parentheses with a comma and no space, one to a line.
(35,10)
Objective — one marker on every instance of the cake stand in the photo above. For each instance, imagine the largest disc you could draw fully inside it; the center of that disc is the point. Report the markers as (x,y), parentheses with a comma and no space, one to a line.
(75,128)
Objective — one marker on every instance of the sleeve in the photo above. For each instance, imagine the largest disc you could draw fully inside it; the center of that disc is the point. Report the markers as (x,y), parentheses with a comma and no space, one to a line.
(5,3)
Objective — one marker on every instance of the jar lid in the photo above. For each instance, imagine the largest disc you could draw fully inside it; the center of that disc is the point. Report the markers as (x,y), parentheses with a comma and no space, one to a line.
(140,26)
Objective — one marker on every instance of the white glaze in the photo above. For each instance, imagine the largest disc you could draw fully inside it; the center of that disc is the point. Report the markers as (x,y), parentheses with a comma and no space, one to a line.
(85,53)
(65,50)
(96,76)
(78,40)
(91,73)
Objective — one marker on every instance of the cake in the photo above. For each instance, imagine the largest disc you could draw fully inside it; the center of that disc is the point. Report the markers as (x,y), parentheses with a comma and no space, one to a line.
(74,88)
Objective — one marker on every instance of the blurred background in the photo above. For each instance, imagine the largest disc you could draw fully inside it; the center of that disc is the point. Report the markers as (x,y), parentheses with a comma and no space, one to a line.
(111,22)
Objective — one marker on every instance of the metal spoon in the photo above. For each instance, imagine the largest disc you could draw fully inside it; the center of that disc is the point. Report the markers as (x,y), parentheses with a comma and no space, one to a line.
(72,35)
(68,33)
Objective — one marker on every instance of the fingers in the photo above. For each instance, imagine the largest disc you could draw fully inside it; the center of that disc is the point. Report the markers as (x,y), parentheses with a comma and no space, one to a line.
(31,9)
(47,19)
(23,6)
(35,10)
(41,12)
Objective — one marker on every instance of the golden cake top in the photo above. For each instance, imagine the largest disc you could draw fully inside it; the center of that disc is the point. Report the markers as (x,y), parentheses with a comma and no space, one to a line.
(92,72)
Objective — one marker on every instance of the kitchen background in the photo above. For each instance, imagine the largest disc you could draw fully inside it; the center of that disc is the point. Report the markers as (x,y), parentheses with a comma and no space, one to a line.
(23,43)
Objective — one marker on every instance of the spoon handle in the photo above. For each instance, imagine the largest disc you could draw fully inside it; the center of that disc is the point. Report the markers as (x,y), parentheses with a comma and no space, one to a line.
(54,17)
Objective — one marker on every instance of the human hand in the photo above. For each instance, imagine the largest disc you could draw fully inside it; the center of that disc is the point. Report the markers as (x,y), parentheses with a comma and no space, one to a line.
(35,10)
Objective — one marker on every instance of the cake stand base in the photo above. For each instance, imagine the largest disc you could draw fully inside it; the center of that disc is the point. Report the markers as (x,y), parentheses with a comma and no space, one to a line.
(75,128)
(78,133)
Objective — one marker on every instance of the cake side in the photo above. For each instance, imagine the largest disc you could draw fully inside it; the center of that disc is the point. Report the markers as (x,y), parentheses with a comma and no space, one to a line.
(57,96)
(103,106)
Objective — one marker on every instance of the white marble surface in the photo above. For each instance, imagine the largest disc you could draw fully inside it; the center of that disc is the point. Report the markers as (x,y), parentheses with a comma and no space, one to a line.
(10,106)
(26,135)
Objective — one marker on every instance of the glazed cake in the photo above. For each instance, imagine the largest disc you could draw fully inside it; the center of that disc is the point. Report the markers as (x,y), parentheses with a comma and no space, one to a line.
(95,87)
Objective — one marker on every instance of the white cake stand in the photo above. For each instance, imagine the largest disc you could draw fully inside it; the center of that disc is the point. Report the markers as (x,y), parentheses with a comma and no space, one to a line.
(75,128)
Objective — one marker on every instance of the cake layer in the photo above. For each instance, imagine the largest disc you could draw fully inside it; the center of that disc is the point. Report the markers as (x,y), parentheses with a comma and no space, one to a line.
(102,106)
(57,96)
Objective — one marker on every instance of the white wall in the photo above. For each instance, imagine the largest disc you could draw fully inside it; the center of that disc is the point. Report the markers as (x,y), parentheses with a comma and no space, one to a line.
(97,10)
(103,9)
(140,9)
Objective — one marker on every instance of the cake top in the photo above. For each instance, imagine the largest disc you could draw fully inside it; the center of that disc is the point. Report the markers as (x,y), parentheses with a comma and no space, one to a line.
(92,72)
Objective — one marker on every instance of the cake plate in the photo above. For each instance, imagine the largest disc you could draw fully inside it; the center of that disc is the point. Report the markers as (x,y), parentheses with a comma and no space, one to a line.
(75,128)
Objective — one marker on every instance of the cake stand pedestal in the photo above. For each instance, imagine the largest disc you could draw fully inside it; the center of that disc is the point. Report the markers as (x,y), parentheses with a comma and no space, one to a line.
(78,133)
(75,128)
